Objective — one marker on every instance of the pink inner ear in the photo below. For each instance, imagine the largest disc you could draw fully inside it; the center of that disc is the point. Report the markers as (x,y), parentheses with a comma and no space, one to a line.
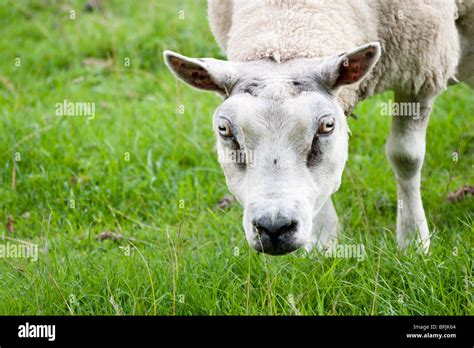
(193,74)
(353,69)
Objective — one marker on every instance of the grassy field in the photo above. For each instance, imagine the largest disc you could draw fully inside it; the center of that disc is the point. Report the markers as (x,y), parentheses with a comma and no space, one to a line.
(148,175)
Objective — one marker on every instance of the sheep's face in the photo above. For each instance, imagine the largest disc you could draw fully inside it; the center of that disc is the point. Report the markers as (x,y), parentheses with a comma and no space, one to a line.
(282,160)
(282,139)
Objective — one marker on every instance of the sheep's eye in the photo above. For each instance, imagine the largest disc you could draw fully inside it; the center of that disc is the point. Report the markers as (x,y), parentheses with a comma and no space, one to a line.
(224,128)
(326,126)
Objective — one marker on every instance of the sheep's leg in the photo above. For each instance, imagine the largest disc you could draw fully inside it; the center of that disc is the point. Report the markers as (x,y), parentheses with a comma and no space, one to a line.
(325,226)
(406,151)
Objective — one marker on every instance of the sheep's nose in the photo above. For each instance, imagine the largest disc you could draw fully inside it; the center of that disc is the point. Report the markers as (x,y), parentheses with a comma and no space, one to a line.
(277,228)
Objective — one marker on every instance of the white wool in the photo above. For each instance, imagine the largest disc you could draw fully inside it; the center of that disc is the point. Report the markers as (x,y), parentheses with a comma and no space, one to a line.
(419,39)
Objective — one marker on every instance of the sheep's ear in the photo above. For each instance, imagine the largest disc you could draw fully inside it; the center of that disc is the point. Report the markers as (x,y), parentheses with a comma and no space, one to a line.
(350,67)
(202,73)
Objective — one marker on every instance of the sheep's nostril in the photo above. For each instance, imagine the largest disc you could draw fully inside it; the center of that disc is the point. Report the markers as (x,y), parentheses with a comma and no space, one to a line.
(291,227)
(275,228)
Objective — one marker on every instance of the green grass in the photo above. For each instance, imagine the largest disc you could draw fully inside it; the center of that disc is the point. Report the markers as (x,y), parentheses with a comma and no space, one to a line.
(186,256)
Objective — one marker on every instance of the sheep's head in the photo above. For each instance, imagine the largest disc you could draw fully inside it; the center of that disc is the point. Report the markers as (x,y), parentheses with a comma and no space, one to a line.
(281,137)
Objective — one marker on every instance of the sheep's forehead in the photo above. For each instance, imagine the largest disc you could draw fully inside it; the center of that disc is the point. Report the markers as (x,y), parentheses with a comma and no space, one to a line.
(286,119)
(276,82)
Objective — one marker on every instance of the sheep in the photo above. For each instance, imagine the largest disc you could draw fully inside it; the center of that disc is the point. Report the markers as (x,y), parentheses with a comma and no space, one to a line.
(295,69)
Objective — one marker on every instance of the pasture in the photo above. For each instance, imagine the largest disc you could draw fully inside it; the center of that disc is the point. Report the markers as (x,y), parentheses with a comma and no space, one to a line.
(122,205)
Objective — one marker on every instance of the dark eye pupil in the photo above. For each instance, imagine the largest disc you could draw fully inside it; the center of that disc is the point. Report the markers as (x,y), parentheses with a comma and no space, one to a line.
(326,126)
(224,128)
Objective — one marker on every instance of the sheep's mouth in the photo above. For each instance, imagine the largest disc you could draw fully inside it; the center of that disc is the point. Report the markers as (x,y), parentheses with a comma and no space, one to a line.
(276,249)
